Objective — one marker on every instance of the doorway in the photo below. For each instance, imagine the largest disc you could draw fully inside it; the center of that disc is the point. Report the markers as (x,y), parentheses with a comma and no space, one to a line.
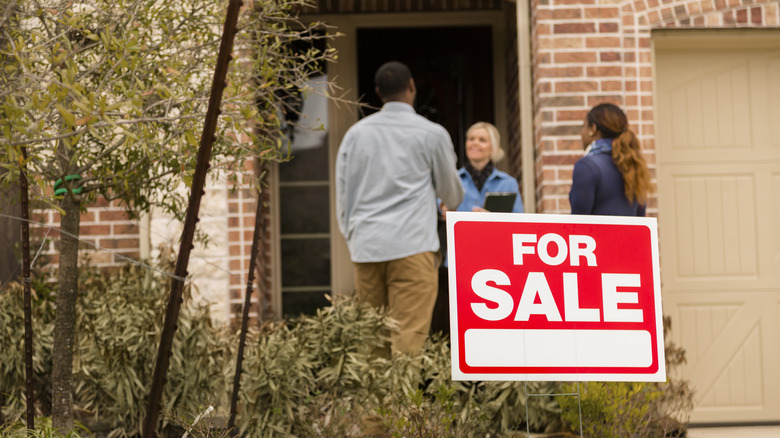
(452,69)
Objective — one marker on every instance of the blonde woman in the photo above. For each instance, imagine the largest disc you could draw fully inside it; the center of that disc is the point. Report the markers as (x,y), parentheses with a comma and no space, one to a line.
(479,175)
(612,178)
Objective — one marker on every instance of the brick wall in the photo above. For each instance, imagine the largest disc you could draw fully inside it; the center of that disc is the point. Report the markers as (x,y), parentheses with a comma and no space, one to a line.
(589,51)
(242,208)
(109,237)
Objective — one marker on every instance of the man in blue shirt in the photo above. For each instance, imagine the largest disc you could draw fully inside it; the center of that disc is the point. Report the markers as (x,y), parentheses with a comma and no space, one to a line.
(390,168)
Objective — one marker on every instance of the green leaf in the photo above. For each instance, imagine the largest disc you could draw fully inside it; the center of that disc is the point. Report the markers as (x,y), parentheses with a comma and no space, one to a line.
(67,116)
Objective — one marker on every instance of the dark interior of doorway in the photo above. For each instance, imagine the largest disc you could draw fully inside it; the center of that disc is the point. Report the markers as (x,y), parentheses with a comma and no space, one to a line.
(452,68)
(453,71)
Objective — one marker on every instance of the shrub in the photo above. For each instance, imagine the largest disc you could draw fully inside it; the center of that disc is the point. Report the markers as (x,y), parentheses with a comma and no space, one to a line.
(13,397)
(319,376)
(119,321)
(631,409)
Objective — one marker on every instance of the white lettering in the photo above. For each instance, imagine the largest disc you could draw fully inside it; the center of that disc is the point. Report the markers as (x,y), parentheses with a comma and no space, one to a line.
(571,301)
(518,249)
(612,297)
(582,246)
(502,298)
(544,249)
(536,284)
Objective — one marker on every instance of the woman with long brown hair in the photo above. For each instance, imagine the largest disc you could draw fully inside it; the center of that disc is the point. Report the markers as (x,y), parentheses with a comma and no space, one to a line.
(612,178)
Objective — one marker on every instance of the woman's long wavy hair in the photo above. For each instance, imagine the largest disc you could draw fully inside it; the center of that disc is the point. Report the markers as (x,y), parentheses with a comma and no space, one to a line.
(612,123)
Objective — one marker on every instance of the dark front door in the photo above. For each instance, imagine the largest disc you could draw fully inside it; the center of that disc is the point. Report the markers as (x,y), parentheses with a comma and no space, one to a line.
(452,68)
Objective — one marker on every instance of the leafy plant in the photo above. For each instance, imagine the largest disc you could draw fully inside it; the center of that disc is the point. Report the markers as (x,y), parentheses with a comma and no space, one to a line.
(119,329)
(13,399)
(632,409)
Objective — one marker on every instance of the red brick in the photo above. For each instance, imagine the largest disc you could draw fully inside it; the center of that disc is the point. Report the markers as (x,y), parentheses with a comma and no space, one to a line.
(561,101)
(233,222)
(113,215)
(574,42)
(602,12)
(597,99)
(568,116)
(564,28)
(608,27)
(602,42)
(234,250)
(125,229)
(756,16)
(610,56)
(611,85)
(561,130)
(575,86)
(118,243)
(560,72)
(742,16)
(575,57)
(87,216)
(602,71)
(95,230)
(569,13)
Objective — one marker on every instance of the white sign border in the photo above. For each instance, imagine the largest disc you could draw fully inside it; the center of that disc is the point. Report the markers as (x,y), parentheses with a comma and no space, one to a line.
(651,223)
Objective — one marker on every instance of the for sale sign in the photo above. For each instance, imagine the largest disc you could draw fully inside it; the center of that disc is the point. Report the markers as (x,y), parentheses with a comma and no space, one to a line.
(554,297)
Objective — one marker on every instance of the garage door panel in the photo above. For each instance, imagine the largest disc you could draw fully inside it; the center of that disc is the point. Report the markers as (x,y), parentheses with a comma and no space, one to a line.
(739,325)
(714,225)
(719,103)
(723,97)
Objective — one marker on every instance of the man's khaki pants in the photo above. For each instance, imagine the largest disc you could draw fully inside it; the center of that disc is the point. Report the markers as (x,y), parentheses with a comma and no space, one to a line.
(408,288)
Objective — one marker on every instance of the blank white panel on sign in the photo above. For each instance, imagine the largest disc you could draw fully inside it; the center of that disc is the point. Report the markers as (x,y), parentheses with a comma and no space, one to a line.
(560,348)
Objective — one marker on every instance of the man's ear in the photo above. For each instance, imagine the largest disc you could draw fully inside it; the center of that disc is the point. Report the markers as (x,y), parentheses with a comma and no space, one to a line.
(376,90)
(412,87)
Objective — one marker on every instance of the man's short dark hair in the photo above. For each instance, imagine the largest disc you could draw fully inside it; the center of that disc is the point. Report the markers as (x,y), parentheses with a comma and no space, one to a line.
(392,78)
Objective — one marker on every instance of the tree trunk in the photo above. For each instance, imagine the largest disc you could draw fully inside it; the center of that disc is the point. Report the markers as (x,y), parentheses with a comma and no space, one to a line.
(10,235)
(65,317)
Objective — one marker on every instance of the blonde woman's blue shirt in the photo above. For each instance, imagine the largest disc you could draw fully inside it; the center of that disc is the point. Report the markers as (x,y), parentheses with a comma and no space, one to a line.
(498,181)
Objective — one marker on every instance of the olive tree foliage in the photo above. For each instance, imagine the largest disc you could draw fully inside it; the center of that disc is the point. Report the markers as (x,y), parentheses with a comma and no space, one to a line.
(108,98)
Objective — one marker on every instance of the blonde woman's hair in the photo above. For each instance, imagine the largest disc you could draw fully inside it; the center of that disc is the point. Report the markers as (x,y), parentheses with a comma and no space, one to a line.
(612,123)
(497,153)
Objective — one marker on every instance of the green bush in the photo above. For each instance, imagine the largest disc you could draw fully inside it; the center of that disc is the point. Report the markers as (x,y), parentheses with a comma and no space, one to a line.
(119,321)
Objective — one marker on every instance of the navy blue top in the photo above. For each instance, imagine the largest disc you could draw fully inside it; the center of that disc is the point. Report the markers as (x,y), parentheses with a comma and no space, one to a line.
(597,185)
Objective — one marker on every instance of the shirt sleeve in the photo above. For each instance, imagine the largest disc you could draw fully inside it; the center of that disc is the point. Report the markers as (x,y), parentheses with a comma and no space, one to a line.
(446,181)
(582,195)
(341,185)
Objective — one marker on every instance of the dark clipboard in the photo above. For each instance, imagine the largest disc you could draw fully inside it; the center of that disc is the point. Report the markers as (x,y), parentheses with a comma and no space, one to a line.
(499,202)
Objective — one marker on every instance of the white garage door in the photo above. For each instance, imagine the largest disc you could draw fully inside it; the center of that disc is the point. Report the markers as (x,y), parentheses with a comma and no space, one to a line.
(718,155)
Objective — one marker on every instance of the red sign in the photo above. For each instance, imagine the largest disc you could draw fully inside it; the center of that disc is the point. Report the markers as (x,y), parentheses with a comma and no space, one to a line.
(554,297)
